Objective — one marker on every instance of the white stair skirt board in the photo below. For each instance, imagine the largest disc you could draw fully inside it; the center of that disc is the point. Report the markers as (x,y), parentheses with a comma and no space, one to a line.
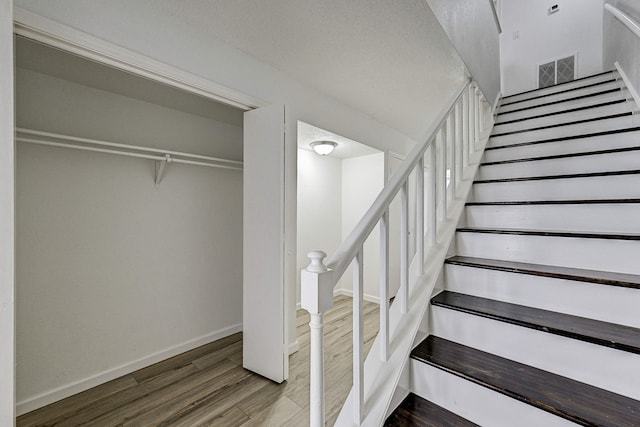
(578,298)
(560,107)
(576,145)
(567,357)
(599,187)
(590,113)
(559,97)
(566,130)
(563,87)
(476,403)
(621,255)
(607,218)
(609,162)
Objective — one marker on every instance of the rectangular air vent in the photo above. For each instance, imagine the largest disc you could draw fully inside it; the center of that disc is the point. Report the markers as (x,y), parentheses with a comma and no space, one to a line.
(557,71)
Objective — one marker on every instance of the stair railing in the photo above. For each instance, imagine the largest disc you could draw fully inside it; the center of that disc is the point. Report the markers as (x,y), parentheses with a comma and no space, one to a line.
(453,136)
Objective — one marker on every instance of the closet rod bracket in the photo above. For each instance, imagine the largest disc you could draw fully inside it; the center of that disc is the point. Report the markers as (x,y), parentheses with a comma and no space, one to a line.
(160,165)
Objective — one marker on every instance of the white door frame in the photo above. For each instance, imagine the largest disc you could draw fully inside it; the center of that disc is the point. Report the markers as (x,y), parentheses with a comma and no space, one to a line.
(54,34)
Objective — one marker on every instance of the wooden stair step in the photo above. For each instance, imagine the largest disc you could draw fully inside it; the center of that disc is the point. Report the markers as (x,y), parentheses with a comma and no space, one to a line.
(575,401)
(560,101)
(564,273)
(575,122)
(565,138)
(559,84)
(624,338)
(548,233)
(555,113)
(563,176)
(418,412)
(562,156)
(611,80)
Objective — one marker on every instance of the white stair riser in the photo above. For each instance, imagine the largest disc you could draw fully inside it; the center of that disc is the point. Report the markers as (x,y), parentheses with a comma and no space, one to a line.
(476,403)
(590,113)
(573,297)
(566,131)
(587,253)
(606,218)
(625,160)
(580,145)
(559,97)
(567,357)
(599,187)
(593,100)
(563,87)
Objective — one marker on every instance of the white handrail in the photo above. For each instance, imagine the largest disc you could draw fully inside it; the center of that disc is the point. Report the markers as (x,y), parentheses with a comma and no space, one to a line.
(339,262)
(628,21)
(456,130)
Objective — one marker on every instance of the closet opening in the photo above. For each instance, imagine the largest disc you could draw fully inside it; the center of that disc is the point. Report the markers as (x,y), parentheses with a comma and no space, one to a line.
(129,215)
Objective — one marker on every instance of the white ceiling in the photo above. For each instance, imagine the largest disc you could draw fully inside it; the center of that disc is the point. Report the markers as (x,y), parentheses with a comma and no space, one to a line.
(388,59)
(346,148)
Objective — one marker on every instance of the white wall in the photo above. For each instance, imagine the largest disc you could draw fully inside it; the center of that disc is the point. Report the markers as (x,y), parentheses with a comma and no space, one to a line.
(471,26)
(620,44)
(531,37)
(114,273)
(362,181)
(7,319)
(319,206)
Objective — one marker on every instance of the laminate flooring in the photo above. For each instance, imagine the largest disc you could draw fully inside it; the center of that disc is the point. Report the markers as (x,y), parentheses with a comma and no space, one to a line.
(208,386)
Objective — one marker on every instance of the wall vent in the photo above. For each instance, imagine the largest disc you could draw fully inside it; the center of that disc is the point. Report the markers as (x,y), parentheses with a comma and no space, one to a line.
(557,71)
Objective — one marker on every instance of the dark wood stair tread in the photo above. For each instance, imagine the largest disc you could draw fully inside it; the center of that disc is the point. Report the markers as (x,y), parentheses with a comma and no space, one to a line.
(564,397)
(565,138)
(563,176)
(619,337)
(549,233)
(556,202)
(555,113)
(418,412)
(559,84)
(560,101)
(573,89)
(556,125)
(562,156)
(566,273)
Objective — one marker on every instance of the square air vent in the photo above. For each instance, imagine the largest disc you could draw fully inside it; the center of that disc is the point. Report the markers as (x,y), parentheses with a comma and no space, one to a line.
(557,71)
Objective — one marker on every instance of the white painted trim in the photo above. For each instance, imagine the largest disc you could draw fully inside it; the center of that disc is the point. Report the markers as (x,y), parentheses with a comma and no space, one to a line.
(348,293)
(496,103)
(624,18)
(298,306)
(627,81)
(51,33)
(293,347)
(75,387)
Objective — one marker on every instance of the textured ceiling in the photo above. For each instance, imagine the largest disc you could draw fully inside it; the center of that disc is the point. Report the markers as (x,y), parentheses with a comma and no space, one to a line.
(388,59)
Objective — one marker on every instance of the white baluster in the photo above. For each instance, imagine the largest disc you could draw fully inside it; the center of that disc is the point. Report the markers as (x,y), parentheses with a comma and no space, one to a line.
(384,286)
(404,247)
(465,129)
(459,143)
(451,154)
(472,114)
(476,118)
(316,298)
(420,215)
(442,174)
(358,339)
(431,195)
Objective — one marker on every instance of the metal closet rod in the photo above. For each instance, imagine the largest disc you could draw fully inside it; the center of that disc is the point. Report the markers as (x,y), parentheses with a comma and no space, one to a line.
(163,155)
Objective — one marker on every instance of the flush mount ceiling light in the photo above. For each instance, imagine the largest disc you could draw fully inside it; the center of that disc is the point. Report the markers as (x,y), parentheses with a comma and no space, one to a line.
(323,148)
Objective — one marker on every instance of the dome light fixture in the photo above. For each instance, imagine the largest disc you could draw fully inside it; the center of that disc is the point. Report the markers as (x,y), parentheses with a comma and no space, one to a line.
(323,148)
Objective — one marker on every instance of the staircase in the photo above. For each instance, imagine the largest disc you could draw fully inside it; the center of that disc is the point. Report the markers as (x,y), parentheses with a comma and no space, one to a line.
(538,321)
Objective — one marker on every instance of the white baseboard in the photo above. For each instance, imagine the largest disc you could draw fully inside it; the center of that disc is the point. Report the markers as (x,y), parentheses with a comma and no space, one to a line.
(496,103)
(31,403)
(632,90)
(293,347)
(298,306)
(348,293)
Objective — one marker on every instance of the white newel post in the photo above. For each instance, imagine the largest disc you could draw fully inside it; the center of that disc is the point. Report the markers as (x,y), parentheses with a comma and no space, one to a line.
(316,298)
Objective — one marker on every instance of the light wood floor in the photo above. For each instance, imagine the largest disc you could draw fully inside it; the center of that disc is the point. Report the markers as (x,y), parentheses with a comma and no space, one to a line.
(208,386)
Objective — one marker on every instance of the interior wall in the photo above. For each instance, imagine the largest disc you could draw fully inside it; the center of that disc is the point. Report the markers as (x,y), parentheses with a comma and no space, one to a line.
(530,36)
(114,272)
(472,28)
(620,44)
(362,181)
(7,290)
(319,207)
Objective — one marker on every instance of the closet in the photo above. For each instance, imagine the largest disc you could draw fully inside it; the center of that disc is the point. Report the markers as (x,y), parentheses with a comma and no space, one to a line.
(129,226)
